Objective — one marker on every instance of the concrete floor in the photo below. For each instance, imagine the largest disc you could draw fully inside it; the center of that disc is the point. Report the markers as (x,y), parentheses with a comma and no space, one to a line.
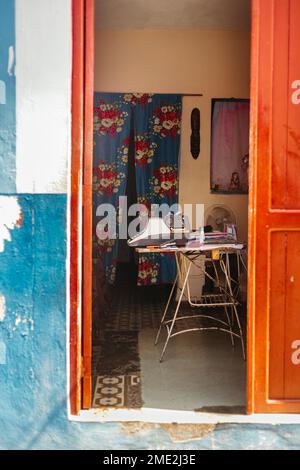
(200,369)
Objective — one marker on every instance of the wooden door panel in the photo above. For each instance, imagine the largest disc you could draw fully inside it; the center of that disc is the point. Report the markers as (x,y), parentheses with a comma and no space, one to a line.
(280,114)
(293,155)
(284,324)
(277,284)
(284,40)
(292,316)
(274,212)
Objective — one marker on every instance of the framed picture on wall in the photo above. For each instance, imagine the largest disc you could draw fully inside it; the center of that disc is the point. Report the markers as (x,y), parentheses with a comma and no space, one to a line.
(229,146)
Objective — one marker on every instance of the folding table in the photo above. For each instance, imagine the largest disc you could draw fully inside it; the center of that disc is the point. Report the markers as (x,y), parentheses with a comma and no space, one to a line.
(226,294)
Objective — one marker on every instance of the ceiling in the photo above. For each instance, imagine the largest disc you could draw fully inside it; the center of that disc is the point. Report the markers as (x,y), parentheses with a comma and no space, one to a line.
(228,15)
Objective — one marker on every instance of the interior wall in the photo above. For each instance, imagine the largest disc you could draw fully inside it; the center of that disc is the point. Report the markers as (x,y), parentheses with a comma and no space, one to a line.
(214,63)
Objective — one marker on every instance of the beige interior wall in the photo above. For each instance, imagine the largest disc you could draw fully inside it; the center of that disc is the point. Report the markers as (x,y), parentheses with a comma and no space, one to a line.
(216,64)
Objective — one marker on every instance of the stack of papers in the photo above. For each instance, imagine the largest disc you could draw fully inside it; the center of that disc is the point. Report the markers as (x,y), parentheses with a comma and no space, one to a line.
(211,237)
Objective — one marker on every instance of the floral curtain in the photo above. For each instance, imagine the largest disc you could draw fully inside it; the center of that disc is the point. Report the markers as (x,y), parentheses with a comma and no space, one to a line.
(111,140)
(157,140)
(157,120)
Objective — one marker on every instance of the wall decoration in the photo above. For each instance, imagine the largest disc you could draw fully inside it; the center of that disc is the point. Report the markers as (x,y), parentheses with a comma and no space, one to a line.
(195,135)
(230,146)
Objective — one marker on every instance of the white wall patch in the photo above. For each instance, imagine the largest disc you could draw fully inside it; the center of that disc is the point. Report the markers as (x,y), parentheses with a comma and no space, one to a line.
(2,307)
(2,92)
(10,218)
(2,353)
(23,324)
(11,60)
(43,95)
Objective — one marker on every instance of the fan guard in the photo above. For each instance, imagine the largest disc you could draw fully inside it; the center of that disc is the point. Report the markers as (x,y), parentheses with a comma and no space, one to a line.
(218,215)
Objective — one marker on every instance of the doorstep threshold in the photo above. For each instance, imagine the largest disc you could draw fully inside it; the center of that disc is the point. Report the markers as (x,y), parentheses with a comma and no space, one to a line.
(156,415)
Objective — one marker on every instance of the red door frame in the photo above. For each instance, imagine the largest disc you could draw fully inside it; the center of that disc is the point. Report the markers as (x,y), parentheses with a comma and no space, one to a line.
(87,203)
(81,200)
(75,217)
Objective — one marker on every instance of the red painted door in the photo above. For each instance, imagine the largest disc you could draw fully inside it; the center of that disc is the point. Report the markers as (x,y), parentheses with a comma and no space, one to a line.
(274,209)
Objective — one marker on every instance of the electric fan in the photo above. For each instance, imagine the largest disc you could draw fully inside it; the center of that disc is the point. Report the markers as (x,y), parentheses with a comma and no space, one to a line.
(218,215)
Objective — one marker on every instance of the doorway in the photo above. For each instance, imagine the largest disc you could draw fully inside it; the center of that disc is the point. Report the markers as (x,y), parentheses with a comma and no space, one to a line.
(127,371)
(256,401)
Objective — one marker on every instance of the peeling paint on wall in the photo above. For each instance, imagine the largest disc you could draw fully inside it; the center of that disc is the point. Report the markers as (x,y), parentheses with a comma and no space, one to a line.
(24,324)
(2,92)
(33,331)
(2,307)
(2,353)
(10,218)
(177,432)
(11,60)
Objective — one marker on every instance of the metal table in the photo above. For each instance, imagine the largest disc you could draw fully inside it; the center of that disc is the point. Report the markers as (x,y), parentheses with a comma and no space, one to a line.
(226,295)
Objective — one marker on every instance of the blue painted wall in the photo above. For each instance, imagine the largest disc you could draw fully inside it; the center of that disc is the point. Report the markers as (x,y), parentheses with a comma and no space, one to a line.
(32,280)
(7,98)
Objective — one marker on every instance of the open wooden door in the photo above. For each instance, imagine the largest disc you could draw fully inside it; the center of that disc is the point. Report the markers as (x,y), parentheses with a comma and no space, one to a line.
(274,212)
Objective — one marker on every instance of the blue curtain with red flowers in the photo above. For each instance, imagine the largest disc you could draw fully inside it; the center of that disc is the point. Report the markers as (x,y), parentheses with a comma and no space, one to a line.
(112,117)
(157,141)
(157,120)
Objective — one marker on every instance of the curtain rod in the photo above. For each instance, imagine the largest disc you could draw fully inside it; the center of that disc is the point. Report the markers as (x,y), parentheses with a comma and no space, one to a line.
(148,93)
(190,94)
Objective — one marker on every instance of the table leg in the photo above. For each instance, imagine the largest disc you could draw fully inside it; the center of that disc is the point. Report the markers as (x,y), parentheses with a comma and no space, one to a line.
(166,309)
(228,283)
(176,311)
